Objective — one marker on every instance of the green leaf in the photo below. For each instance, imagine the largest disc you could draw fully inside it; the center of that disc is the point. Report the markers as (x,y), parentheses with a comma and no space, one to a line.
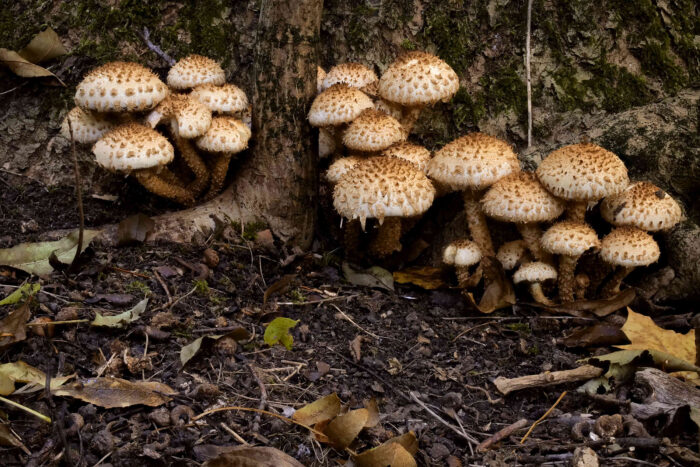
(34,257)
(277,332)
(122,319)
(24,292)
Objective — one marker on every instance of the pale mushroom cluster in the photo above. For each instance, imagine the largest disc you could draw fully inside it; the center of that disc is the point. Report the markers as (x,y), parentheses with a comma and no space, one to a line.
(121,106)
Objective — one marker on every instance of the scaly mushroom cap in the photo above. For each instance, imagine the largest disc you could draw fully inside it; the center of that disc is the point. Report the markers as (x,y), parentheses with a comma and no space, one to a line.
(88,127)
(226,134)
(462,253)
(643,205)
(373,130)
(356,75)
(382,187)
(511,253)
(132,146)
(583,172)
(337,105)
(226,99)
(535,272)
(326,143)
(195,70)
(569,238)
(417,79)
(520,198)
(320,76)
(389,108)
(629,247)
(342,166)
(413,153)
(474,161)
(189,117)
(120,87)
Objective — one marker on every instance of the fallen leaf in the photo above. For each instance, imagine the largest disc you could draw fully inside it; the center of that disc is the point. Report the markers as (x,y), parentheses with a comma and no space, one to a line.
(258,456)
(372,277)
(343,429)
(22,67)
(278,286)
(7,438)
(639,358)
(122,319)
(598,335)
(426,277)
(396,452)
(33,258)
(111,393)
(27,290)
(43,47)
(321,410)
(373,411)
(190,350)
(21,372)
(277,332)
(13,328)
(498,290)
(134,229)
(356,348)
(7,386)
(600,308)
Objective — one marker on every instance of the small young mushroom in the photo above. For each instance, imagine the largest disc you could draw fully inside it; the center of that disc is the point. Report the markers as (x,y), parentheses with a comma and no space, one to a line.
(512,254)
(88,126)
(195,70)
(226,99)
(642,205)
(535,274)
(627,247)
(353,74)
(373,131)
(352,230)
(462,254)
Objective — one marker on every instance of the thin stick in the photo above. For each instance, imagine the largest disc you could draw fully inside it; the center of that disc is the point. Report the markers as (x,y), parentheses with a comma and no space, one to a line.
(502,434)
(314,302)
(26,409)
(79,194)
(263,397)
(72,321)
(354,323)
(527,72)
(542,417)
(235,435)
(249,409)
(146,36)
(163,285)
(461,433)
(126,271)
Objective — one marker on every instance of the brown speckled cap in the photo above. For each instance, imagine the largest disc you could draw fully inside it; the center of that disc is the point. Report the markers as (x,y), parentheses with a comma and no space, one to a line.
(535,272)
(195,70)
(226,134)
(132,146)
(569,238)
(413,153)
(520,198)
(629,247)
(643,205)
(511,253)
(88,127)
(340,167)
(189,117)
(461,253)
(226,99)
(353,74)
(337,105)
(373,130)
(418,78)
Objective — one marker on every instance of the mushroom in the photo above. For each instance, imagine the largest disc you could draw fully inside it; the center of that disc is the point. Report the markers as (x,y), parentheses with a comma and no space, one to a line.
(512,254)
(627,247)
(470,164)
(385,188)
(569,240)
(373,131)
(327,143)
(88,126)
(415,80)
(583,174)
(320,76)
(139,150)
(521,199)
(535,274)
(195,70)
(413,153)
(462,254)
(226,99)
(340,167)
(353,74)
(643,205)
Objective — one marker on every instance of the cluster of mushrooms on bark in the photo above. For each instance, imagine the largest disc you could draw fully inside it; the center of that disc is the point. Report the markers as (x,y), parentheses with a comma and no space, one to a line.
(364,123)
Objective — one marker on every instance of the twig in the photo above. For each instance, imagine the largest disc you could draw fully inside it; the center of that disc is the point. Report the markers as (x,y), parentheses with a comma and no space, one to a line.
(52,323)
(79,194)
(263,397)
(163,285)
(354,323)
(235,435)
(126,271)
(502,434)
(39,415)
(314,302)
(461,433)
(542,417)
(527,72)
(508,385)
(471,329)
(146,36)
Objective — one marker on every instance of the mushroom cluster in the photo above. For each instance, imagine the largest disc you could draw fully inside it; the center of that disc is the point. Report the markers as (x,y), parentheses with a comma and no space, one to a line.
(119,105)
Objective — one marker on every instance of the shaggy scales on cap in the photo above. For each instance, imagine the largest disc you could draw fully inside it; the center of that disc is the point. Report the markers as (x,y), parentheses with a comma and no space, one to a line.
(195,70)
(413,153)
(627,247)
(373,131)
(534,274)
(462,254)
(643,205)
(340,167)
(353,74)
(337,105)
(511,254)
(88,127)
(225,99)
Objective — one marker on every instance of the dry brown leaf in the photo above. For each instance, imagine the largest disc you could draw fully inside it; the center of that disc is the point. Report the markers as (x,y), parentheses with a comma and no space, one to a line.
(397,452)
(110,392)
(426,277)
(13,328)
(7,438)
(498,290)
(278,287)
(258,456)
(373,410)
(323,409)
(356,348)
(343,429)
(43,47)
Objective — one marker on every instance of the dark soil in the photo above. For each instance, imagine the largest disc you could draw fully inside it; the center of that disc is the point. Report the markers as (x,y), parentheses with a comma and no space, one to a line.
(425,343)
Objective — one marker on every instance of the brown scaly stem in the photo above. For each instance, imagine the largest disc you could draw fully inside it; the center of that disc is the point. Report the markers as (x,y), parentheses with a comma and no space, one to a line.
(538,294)
(477,223)
(567,266)
(576,211)
(219,170)
(612,287)
(195,163)
(388,238)
(79,194)
(532,233)
(154,183)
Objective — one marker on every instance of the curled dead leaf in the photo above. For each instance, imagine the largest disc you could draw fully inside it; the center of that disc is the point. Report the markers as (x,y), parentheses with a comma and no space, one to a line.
(13,328)
(426,277)
(248,456)
(323,409)
(397,452)
(343,429)
(110,392)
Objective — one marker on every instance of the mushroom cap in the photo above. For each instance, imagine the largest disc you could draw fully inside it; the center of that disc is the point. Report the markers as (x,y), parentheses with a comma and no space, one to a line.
(353,74)
(629,247)
(474,161)
(417,79)
(227,98)
(569,238)
(583,172)
(643,205)
(120,87)
(226,134)
(195,70)
(132,146)
(413,153)
(188,116)
(88,127)
(461,253)
(520,198)
(337,105)
(373,130)
(320,76)
(511,253)
(383,187)
(340,167)
(389,108)
(535,272)
(326,143)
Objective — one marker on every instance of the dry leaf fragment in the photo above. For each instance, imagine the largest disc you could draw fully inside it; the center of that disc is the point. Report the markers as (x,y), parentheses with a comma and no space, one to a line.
(498,290)
(258,456)
(122,319)
(21,372)
(372,277)
(343,429)
(43,47)
(356,348)
(7,438)
(323,409)
(13,328)
(191,349)
(396,452)
(110,392)
(426,277)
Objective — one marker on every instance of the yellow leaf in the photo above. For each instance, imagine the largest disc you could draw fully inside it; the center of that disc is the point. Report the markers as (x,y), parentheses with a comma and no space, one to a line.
(45,46)
(343,429)
(644,334)
(321,410)
(426,277)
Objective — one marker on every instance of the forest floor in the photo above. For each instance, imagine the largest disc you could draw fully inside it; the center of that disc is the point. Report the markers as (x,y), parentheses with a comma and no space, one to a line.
(427,358)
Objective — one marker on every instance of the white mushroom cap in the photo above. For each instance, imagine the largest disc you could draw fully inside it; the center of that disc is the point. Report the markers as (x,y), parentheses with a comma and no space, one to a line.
(195,70)
(511,253)
(373,130)
(418,78)
(120,87)
(583,172)
(643,205)
(520,198)
(227,99)
(353,74)
(383,187)
(226,134)
(88,126)
(629,247)
(320,76)
(189,117)
(341,166)
(337,105)
(534,272)
(461,253)
(474,161)
(132,146)
(413,153)
(569,238)
(326,143)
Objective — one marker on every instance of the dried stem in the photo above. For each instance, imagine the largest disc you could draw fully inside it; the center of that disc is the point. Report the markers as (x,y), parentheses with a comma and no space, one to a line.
(79,195)
(146,36)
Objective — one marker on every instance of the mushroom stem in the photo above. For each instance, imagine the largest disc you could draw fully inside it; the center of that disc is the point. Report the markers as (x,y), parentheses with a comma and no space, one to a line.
(612,287)
(388,238)
(567,266)
(407,223)
(158,185)
(219,170)
(477,222)
(195,163)
(576,211)
(582,282)
(532,233)
(351,239)
(538,294)
(409,117)
(465,279)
